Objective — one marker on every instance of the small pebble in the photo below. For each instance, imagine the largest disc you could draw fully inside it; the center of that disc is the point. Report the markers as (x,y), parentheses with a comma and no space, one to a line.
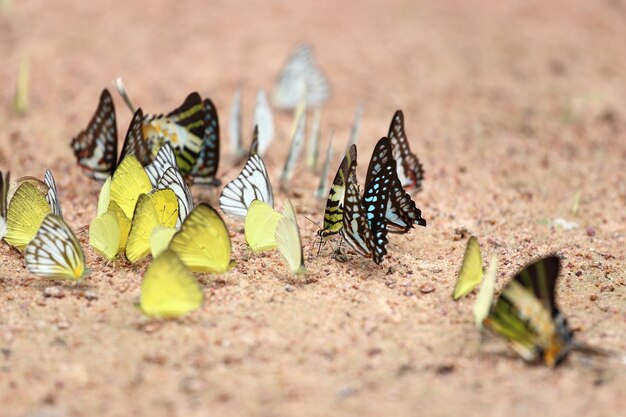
(290,288)
(91,295)
(591,232)
(426,288)
(593,297)
(53,292)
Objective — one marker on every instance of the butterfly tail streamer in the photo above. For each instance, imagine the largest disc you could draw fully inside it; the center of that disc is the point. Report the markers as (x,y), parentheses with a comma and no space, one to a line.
(121,88)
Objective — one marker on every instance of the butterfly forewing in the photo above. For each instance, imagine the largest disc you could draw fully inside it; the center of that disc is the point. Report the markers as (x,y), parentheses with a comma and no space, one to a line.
(55,252)
(95,147)
(163,161)
(410,169)
(252,184)
(355,230)
(333,213)
(135,143)
(173,180)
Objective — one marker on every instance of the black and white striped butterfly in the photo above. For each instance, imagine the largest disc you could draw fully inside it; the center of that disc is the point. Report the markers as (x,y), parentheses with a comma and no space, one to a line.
(55,252)
(300,76)
(410,169)
(165,159)
(173,179)
(52,196)
(364,223)
(401,213)
(252,184)
(205,169)
(95,147)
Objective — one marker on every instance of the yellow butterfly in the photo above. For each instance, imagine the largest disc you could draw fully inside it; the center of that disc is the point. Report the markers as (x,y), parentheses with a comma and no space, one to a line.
(168,288)
(471,271)
(104,235)
(156,209)
(160,239)
(260,225)
(27,209)
(288,240)
(104,198)
(484,299)
(203,243)
(55,252)
(129,181)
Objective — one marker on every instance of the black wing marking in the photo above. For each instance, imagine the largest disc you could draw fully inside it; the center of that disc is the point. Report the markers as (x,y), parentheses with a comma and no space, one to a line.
(134,143)
(410,169)
(205,169)
(95,147)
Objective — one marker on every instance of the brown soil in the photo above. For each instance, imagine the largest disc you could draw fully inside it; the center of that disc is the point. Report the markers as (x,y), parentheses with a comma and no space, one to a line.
(513,107)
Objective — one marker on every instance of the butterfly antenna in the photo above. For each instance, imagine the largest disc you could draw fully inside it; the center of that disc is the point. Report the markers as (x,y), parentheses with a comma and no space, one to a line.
(312,221)
(121,88)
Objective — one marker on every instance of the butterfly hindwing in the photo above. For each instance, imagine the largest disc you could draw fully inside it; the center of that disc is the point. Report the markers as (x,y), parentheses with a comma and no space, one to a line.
(95,147)
(55,252)
(52,196)
(355,228)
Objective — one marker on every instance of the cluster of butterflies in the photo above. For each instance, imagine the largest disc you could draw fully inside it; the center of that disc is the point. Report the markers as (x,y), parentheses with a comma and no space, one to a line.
(525,313)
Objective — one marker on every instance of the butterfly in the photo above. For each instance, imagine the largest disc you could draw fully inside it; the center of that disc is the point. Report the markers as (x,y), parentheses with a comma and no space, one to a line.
(129,181)
(356,125)
(264,120)
(252,184)
(484,299)
(333,213)
(288,240)
(5,180)
(168,289)
(95,147)
(172,179)
(297,140)
(135,144)
(527,316)
(364,224)
(402,213)
(203,242)
(205,169)
(410,169)
(55,252)
(260,224)
(52,196)
(104,234)
(471,273)
(234,125)
(153,210)
(26,211)
(300,77)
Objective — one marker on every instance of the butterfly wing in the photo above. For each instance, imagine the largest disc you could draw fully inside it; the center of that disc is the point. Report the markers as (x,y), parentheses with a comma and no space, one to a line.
(165,159)
(297,140)
(104,197)
(260,226)
(203,242)
(484,299)
(205,169)
(168,288)
(527,316)
(333,213)
(252,184)
(129,182)
(355,228)
(27,209)
(5,180)
(264,119)
(287,235)
(375,201)
(321,188)
(52,196)
(300,76)
(135,144)
(471,273)
(410,169)
(172,179)
(104,235)
(95,147)
(55,252)
(234,125)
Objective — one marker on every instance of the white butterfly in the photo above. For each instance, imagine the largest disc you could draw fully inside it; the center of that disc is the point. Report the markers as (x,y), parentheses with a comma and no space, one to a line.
(52,197)
(165,159)
(356,125)
(264,119)
(252,184)
(55,252)
(313,147)
(288,239)
(297,141)
(300,76)
(321,189)
(173,179)
(234,125)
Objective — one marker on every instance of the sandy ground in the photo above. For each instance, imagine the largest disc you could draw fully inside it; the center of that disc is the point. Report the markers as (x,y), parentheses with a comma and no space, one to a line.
(513,107)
